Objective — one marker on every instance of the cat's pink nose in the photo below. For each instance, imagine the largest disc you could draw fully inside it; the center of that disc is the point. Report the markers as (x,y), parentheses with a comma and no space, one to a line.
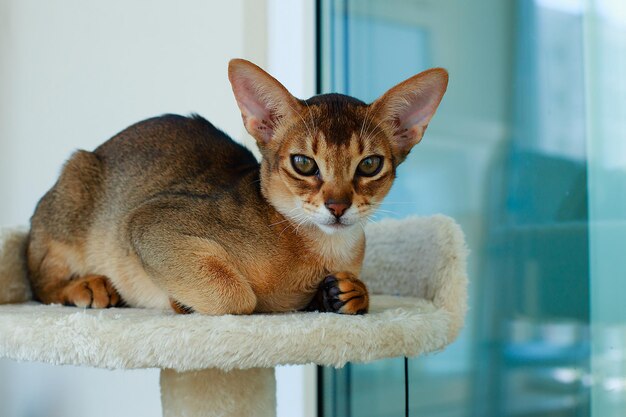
(337,207)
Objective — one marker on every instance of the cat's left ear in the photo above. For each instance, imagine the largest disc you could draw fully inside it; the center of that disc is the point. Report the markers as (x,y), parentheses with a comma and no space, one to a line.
(263,101)
(407,108)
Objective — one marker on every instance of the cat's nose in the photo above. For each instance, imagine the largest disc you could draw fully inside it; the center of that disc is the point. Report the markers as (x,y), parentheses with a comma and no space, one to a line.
(337,207)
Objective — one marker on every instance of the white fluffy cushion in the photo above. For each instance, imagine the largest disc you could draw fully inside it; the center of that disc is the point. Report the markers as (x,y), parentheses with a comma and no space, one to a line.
(417,266)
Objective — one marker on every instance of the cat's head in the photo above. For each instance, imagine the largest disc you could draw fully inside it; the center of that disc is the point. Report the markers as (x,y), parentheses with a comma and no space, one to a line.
(328,161)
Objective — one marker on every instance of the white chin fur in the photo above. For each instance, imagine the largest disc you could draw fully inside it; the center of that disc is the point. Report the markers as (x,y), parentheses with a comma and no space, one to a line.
(334,228)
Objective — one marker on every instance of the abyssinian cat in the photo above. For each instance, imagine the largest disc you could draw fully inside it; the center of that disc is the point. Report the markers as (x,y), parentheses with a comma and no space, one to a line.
(172,213)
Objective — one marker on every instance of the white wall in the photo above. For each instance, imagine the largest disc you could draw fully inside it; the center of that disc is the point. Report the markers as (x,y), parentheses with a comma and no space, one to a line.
(72,74)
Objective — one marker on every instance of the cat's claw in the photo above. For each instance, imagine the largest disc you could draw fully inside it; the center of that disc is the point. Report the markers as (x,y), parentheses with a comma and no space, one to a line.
(343,293)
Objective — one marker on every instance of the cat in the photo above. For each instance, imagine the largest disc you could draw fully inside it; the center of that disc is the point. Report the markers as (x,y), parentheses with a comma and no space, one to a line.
(172,213)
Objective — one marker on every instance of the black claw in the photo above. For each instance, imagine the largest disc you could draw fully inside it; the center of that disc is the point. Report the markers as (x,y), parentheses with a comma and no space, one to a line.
(326,302)
(181,308)
(329,281)
(330,291)
(337,305)
(333,291)
(327,297)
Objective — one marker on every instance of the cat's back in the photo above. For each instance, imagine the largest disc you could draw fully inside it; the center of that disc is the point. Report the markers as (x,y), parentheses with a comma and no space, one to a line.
(164,153)
(170,148)
(97,190)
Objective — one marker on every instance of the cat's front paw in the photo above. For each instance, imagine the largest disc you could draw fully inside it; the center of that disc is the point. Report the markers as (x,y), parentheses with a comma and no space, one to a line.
(343,293)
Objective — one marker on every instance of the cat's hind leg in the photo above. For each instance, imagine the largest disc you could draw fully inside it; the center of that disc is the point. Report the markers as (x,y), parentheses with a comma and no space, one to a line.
(54,281)
(58,236)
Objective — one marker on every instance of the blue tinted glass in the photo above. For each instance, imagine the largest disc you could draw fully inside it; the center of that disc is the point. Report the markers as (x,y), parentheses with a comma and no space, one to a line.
(505,156)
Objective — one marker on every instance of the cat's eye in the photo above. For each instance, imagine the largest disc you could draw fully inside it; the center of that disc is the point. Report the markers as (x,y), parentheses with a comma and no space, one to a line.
(370,166)
(304,165)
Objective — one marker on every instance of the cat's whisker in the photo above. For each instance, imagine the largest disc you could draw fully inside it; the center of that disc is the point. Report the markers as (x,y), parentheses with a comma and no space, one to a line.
(371,220)
(363,124)
(367,126)
(400,202)
(287,227)
(299,218)
(274,224)
(371,132)
(312,118)
(387,211)
(283,231)
(300,224)
(303,121)
(289,218)
(373,216)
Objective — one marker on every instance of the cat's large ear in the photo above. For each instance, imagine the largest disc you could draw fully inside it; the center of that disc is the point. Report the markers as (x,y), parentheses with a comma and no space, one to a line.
(406,109)
(263,101)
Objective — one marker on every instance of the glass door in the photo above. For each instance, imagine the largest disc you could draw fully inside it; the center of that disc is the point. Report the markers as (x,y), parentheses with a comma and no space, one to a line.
(515,155)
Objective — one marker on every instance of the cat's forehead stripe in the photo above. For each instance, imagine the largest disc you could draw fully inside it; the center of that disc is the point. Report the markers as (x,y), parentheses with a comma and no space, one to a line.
(338,117)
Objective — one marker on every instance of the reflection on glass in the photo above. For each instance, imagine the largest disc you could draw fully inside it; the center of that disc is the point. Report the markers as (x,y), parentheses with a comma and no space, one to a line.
(606,66)
(506,156)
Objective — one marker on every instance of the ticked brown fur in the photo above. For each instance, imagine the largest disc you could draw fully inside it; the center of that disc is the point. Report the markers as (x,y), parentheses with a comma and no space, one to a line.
(171,213)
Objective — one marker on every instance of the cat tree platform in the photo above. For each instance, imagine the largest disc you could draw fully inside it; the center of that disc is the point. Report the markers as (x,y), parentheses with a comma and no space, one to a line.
(224,366)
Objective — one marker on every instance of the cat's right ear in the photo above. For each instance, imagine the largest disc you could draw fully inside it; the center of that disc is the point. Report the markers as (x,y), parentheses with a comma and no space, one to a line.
(408,107)
(263,101)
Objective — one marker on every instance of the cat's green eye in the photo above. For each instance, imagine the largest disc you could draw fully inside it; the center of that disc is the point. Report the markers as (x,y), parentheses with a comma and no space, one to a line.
(304,165)
(370,166)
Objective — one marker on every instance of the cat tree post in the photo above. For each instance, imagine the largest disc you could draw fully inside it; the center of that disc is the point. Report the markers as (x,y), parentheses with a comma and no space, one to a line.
(217,393)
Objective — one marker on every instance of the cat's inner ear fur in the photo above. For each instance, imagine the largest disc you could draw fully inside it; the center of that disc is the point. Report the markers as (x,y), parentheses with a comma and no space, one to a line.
(263,101)
(407,108)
